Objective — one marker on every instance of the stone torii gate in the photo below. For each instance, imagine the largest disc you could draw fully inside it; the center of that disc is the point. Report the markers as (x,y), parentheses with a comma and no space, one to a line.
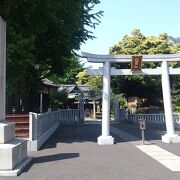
(107,71)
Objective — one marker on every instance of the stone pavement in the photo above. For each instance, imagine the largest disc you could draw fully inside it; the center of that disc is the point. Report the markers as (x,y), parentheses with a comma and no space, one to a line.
(153,133)
(72,153)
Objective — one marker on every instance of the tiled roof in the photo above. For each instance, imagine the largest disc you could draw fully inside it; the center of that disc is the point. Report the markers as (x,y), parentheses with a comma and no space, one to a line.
(67,87)
(73,88)
(48,82)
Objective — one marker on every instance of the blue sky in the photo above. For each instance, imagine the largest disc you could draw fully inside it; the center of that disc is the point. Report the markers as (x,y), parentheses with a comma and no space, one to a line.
(152,17)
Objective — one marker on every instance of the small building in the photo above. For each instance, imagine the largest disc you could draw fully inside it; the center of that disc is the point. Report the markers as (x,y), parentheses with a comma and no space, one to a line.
(40,100)
(34,101)
(92,103)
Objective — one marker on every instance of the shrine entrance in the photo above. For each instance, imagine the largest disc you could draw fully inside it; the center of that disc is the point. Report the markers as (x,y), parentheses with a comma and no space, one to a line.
(107,71)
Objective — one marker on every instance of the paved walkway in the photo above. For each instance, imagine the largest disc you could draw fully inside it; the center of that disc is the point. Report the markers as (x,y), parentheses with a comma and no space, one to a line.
(72,153)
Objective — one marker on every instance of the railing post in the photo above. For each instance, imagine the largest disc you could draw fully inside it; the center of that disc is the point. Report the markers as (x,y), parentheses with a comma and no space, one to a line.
(81,107)
(116,110)
(33,134)
(41,103)
(94,109)
(59,116)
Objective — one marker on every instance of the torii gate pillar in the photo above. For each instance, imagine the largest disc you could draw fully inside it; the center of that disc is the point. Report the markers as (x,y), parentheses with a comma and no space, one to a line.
(105,138)
(170,136)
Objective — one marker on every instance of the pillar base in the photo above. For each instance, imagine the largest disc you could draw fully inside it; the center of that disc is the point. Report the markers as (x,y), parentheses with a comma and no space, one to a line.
(7,131)
(13,152)
(105,140)
(170,138)
(18,169)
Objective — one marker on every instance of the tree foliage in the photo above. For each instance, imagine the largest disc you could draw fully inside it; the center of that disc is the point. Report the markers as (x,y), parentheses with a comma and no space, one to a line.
(94,82)
(52,29)
(58,99)
(135,44)
(45,32)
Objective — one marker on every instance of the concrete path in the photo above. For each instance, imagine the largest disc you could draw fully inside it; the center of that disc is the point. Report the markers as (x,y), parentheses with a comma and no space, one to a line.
(72,153)
(164,157)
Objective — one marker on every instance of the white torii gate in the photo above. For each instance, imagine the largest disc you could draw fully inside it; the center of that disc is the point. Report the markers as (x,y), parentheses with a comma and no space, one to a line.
(107,71)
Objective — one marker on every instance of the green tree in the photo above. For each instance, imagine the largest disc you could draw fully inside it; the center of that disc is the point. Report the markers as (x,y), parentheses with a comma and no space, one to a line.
(134,44)
(58,99)
(121,99)
(175,84)
(54,28)
(94,82)
(44,32)
(82,77)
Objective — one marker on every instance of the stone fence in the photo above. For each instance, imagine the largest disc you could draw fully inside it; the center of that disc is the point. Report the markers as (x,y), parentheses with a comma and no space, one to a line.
(153,118)
(149,118)
(42,126)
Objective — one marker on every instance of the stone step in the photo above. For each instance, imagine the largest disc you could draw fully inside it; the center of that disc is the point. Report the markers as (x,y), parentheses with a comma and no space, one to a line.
(21,124)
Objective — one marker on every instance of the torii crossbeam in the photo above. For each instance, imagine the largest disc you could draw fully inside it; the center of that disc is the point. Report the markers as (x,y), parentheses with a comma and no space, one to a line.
(107,71)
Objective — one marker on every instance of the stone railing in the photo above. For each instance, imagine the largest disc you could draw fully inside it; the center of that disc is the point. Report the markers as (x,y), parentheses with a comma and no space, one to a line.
(177,118)
(149,118)
(42,126)
(153,118)
(69,116)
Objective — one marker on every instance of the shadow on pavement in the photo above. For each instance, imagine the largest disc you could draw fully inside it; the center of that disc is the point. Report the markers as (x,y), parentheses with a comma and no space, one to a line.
(70,134)
(89,133)
(55,157)
(50,158)
(152,131)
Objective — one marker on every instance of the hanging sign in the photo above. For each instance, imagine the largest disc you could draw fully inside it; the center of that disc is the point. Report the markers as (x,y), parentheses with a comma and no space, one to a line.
(136,63)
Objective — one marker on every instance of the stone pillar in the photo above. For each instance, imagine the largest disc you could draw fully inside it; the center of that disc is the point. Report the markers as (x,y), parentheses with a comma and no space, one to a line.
(33,126)
(105,138)
(2,68)
(98,108)
(170,136)
(116,110)
(13,152)
(81,107)
(33,132)
(41,103)
(94,109)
